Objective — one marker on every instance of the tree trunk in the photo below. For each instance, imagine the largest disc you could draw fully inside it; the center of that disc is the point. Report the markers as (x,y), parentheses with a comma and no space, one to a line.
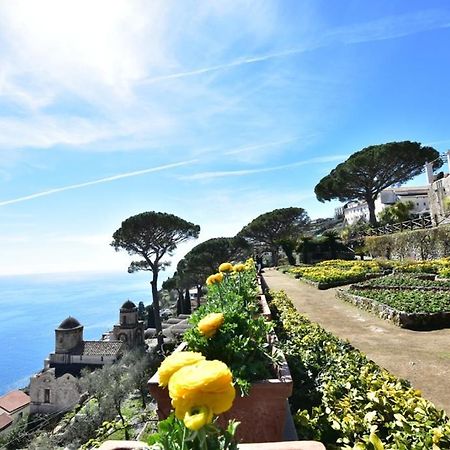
(187,302)
(372,216)
(158,326)
(274,252)
(199,294)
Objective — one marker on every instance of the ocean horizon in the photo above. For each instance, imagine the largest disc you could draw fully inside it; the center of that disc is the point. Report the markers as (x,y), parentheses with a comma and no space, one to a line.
(34,305)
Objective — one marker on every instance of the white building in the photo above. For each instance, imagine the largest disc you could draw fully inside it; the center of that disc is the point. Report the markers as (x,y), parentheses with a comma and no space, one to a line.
(417,195)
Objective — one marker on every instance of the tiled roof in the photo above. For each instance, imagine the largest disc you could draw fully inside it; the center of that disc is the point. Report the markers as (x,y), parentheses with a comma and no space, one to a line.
(14,400)
(100,348)
(5,421)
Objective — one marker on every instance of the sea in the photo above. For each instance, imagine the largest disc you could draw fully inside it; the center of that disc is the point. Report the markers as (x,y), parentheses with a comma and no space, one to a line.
(32,306)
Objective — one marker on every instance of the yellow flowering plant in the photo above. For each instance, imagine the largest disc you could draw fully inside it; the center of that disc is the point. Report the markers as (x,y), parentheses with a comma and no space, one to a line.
(229,328)
(199,390)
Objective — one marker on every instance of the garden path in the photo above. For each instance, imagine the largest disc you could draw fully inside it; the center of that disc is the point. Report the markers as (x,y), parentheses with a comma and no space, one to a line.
(422,357)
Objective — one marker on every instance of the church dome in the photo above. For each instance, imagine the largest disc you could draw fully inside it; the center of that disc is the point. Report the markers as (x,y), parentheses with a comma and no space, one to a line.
(128,305)
(69,324)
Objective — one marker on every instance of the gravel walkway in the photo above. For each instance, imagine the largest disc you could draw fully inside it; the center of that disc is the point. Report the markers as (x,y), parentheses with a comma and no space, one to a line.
(422,357)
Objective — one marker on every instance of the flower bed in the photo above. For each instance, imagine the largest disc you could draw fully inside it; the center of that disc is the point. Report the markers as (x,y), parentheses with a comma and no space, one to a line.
(347,401)
(333,273)
(405,281)
(418,321)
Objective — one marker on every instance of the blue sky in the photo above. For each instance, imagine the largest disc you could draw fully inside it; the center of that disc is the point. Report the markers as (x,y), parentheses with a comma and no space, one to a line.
(213,111)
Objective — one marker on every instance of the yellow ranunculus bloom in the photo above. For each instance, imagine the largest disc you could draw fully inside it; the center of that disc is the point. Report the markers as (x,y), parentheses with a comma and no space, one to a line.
(239,267)
(198,417)
(210,324)
(213,279)
(207,383)
(174,362)
(226,267)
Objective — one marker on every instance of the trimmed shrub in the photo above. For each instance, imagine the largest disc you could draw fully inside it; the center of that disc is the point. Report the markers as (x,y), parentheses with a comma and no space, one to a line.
(416,244)
(347,401)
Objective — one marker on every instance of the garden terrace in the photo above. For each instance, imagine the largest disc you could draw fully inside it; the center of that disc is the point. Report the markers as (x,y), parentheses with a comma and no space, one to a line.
(422,358)
(347,401)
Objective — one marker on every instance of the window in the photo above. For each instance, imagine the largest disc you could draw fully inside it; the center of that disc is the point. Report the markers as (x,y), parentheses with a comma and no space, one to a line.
(46,395)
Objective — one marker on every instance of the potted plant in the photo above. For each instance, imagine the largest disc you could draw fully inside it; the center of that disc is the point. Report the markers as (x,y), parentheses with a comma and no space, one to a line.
(229,328)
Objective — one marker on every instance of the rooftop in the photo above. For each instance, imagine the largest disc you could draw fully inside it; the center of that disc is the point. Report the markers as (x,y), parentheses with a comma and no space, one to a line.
(14,400)
(5,421)
(98,348)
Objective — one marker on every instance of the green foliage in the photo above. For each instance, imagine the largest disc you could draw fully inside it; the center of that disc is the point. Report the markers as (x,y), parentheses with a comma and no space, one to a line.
(406,281)
(206,257)
(408,300)
(173,435)
(367,172)
(417,244)
(241,342)
(399,212)
(271,228)
(347,401)
(152,235)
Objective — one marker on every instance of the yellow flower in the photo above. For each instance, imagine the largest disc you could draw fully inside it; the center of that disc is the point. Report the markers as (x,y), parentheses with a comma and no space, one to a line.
(239,267)
(210,324)
(174,362)
(198,417)
(213,279)
(207,384)
(226,267)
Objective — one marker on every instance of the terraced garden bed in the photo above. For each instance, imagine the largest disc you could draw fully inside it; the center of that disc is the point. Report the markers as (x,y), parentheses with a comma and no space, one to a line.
(408,301)
(333,273)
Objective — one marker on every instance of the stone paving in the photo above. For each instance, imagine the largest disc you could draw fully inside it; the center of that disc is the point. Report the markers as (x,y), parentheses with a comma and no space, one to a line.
(422,357)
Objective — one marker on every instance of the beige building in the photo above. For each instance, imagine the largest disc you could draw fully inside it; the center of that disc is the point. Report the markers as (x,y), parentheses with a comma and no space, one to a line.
(53,394)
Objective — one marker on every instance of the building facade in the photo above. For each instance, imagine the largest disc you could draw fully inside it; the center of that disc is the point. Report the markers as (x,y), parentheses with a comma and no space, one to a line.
(417,195)
(13,406)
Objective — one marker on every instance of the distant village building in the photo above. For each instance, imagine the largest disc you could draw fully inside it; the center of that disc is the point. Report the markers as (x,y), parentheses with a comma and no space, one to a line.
(56,387)
(417,195)
(13,406)
(130,330)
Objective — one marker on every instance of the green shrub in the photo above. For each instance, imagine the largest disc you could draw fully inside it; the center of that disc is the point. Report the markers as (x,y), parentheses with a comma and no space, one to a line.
(347,401)
(417,244)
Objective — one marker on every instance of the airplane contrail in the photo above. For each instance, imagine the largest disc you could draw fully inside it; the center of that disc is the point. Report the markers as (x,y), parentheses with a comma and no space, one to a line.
(238,173)
(99,181)
(238,62)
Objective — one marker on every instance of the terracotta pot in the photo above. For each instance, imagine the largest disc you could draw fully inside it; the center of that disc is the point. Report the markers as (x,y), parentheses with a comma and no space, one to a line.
(261,414)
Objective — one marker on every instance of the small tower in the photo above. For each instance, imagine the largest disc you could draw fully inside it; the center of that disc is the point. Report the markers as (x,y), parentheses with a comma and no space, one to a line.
(128,315)
(129,330)
(68,335)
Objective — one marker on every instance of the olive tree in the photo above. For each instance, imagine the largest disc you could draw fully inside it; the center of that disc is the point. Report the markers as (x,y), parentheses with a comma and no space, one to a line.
(152,236)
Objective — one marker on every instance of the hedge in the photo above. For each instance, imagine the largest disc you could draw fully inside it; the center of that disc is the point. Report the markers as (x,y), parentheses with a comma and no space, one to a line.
(347,401)
(416,244)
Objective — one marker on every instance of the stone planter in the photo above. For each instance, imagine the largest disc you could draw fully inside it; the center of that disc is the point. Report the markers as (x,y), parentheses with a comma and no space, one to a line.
(261,414)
